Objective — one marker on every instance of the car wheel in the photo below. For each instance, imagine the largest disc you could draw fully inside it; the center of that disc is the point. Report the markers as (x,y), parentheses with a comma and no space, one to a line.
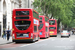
(69,34)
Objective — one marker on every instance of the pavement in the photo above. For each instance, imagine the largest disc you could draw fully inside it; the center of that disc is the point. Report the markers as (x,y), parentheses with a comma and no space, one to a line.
(4,41)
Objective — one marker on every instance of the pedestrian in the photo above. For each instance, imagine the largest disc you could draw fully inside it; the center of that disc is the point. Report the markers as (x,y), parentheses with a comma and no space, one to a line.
(4,34)
(8,34)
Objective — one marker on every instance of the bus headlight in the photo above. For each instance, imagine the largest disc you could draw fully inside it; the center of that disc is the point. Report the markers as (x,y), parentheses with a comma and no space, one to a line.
(31,35)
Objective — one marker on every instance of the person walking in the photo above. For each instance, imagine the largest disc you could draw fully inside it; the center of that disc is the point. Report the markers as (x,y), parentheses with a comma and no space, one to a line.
(8,34)
(4,34)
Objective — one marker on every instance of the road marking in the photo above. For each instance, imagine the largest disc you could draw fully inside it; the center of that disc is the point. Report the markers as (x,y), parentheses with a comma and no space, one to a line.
(72,40)
(35,42)
(62,39)
(25,45)
(53,39)
(65,47)
(11,46)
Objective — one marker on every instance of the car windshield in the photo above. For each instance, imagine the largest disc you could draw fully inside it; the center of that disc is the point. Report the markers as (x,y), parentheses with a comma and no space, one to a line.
(65,31)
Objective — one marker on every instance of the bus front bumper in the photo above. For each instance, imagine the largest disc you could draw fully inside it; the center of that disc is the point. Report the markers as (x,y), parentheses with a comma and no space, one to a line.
(53,35)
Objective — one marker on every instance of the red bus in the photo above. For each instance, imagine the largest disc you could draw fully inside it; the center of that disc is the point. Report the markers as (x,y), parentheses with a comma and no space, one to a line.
(44,26)
(53,27)
(25,24)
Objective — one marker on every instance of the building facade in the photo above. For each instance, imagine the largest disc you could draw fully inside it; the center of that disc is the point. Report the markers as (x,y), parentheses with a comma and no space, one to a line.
(6,7)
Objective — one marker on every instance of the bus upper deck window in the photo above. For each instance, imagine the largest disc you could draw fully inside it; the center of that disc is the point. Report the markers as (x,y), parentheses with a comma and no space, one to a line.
(51,22)
(40,18)
(22,12)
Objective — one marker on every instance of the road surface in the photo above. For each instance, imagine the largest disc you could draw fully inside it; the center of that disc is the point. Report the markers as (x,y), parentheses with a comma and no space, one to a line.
(52,43)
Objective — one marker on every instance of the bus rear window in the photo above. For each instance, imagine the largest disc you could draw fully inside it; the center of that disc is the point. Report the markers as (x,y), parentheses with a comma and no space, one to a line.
(52,28)
(22,13)
(22,25)
(51,22)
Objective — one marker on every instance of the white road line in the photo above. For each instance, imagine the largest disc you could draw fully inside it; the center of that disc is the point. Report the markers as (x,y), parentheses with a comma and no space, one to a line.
(35,42)
(25,45)
(53,39)
(65,47)
(62,39)
(30,44)
(71,40)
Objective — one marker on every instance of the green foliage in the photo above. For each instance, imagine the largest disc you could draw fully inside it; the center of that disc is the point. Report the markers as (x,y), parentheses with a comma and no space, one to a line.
(60,9)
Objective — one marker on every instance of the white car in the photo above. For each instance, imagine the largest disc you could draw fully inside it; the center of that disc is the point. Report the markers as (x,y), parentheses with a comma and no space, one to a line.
(65,33)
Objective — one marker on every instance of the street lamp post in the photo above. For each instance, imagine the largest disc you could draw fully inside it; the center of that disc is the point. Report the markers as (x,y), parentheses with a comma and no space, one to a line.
(28,3)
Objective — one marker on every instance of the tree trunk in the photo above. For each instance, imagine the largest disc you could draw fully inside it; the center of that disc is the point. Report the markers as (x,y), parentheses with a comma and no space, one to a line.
(58,24)
(51,17)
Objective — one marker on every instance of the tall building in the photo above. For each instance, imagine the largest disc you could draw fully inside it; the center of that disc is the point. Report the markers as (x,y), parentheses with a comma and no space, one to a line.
(6,7)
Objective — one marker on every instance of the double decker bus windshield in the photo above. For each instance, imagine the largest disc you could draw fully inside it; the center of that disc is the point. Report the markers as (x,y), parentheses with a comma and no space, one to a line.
(41,26)
(40,18)
(22,25)
(22,13)
(51,22)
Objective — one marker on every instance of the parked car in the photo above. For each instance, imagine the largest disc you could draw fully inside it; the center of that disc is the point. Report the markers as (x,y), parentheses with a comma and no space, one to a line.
(65,33)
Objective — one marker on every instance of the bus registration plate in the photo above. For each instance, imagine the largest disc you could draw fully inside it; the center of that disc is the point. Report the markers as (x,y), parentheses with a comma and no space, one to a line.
(25,35)
(51,32)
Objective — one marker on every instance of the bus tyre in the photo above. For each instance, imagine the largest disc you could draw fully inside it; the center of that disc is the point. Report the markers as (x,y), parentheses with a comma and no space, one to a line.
(33,40)
(48,35)
(38,38)
(55,35)
(45,36)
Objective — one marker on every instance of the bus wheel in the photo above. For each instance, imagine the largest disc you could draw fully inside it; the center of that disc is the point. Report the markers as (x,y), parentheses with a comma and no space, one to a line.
(48,35)
(45,36)
(33,40)
(55,35)
(38,38)
(16,42)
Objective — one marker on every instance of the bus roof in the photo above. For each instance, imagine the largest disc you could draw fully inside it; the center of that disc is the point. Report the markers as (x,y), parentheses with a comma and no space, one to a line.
(43,15)
(52,19)
(24,9)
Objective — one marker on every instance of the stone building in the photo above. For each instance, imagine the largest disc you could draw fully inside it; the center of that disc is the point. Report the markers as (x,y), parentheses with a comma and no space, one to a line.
(6,7)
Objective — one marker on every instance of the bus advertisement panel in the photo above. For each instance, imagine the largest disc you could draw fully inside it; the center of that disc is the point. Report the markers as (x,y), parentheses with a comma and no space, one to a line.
(52,27)
(25,23)
(44,26)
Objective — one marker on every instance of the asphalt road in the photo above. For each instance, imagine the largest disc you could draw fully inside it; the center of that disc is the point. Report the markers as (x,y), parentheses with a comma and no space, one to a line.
(52,43)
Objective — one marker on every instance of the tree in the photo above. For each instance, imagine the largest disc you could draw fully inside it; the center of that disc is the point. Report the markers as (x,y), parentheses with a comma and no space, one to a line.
(59,9)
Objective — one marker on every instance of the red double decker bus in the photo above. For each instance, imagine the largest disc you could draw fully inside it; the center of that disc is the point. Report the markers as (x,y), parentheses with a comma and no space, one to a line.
(25,24)
(53,27)
(44,26)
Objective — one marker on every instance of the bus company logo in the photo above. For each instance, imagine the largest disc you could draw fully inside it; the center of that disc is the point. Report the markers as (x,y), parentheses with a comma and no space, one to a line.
(35,21)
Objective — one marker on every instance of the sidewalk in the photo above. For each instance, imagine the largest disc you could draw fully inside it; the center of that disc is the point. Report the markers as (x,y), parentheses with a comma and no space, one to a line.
(4,41)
